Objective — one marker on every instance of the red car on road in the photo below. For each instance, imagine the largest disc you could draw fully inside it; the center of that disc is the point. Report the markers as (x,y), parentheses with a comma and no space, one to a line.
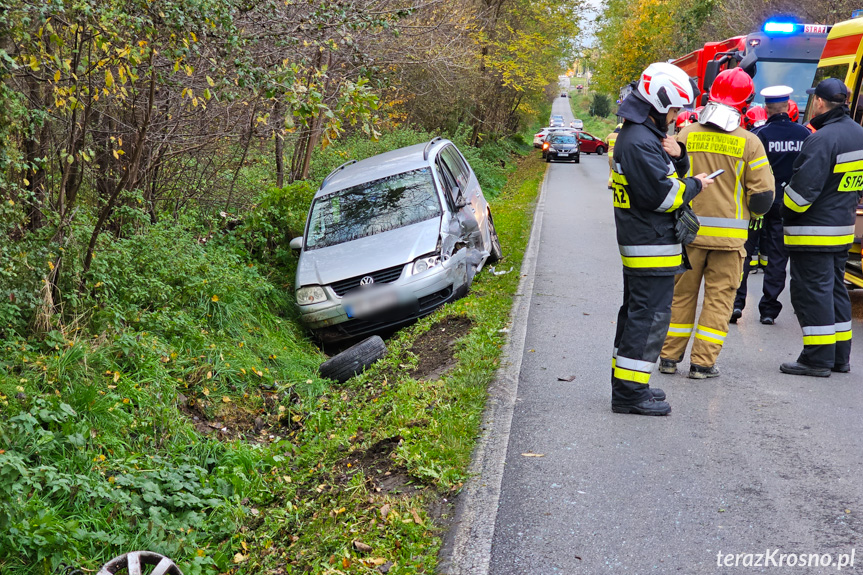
(590,144)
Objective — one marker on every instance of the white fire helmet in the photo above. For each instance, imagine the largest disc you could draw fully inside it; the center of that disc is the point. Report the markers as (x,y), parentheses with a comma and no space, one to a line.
(665,86)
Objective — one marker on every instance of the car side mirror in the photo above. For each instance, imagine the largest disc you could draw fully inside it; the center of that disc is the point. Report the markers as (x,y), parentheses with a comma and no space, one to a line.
(297,243)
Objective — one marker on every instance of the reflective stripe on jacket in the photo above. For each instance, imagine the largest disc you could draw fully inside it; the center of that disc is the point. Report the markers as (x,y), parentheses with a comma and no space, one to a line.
(646,193)
(820,200)
(724,210)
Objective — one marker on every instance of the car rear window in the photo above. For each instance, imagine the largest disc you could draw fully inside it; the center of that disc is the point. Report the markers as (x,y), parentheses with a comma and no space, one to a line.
(372,208)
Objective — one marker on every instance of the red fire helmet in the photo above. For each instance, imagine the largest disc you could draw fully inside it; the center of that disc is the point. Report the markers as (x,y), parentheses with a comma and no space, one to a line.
(793,111)
(754,117)
(733,88)
(684,118)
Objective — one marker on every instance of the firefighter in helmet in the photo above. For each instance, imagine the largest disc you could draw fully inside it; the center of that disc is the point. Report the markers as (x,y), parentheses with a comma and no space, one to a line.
(743,191)
(647,193)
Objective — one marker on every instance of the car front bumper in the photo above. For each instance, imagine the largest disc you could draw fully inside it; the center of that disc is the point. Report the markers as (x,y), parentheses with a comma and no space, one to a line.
(418,295)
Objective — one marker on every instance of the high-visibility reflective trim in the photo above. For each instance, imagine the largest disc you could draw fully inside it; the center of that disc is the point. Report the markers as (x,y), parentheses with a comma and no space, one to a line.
(851,182)
(674,198)
(819,240)
(713,143)
(819,230)
(738,190)
(849,156)
(671,169)
(619,178)
(724,223)
(844,326)
(847,166)
(636,364)
(843,335)
(639,251)
(712,331)
(710,338)
(653,262)
(713,232)
(758,163)
(819,330)
(710,334)
(680,329)
(819,339)
(629,375)
(794,201)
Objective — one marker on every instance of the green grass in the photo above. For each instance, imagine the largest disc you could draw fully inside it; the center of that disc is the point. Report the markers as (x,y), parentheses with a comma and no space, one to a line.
(100,452)
(599,127)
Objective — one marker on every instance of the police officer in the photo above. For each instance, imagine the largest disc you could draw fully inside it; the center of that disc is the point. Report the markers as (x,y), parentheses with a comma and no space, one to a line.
(819,215)
(782,139)
(647,192)
(744,191)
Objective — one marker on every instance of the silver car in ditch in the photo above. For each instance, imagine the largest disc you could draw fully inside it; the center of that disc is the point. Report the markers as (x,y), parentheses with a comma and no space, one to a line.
(390,239)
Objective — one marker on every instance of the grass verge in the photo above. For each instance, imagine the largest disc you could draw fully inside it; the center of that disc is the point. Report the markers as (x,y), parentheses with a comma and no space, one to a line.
(192,422)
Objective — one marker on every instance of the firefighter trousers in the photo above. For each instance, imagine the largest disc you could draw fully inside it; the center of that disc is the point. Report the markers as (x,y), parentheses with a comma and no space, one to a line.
(720,270)
(823,307)
(642,323)
(772,244)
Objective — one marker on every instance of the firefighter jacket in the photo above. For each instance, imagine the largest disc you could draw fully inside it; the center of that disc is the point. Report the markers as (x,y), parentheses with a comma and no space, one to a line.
(744,190)
(647,192)
(820,199)
(783,140)
(610,140)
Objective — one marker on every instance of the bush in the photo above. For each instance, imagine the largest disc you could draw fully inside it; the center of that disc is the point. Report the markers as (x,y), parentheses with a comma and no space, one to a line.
(600,106)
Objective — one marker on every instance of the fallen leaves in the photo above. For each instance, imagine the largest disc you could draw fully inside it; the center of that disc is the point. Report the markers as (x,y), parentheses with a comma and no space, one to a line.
(361,547)
(567,378)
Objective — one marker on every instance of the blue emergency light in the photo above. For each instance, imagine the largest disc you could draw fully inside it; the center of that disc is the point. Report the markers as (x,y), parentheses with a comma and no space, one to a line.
(774,27)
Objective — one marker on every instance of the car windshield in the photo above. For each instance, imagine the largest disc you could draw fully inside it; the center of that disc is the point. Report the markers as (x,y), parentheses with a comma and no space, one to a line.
(797,75)
(561,139)
(372,208)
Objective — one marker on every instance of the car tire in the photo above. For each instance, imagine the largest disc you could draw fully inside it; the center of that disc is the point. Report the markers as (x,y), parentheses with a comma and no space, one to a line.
(496,252)
(578,158)
(547,159)
(600,150)
(354,360)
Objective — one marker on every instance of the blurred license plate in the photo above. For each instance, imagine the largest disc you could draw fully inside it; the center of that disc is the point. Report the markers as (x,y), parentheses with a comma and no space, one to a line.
(371,303)
(563,154)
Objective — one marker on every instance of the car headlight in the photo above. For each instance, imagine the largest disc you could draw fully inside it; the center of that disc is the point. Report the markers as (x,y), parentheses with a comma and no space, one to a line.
(424,263)
(311,294)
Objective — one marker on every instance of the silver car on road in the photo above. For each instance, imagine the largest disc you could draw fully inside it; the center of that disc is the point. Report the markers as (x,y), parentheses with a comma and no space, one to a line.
(390,239)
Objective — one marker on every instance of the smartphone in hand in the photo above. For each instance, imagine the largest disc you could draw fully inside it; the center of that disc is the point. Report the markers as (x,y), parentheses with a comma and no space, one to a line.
(716,173)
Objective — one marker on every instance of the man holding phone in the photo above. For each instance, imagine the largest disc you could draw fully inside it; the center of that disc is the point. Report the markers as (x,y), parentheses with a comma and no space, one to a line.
(743,189)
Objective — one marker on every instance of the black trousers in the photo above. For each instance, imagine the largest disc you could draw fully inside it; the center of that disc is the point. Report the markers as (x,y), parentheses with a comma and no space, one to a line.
(772,244)
(823,308)
(642,324)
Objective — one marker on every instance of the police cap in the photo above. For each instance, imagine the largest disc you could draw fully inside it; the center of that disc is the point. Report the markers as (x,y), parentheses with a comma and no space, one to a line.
(776,94)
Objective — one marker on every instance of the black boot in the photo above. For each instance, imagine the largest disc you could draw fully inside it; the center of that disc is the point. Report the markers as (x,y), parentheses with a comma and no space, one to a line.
(841,368)
(701,372)
(646,407)
(659,395)
(797,368)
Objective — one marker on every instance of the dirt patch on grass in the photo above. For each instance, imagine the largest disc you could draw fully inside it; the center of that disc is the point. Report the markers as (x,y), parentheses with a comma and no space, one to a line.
(380,471)
(435,348)
(229,421)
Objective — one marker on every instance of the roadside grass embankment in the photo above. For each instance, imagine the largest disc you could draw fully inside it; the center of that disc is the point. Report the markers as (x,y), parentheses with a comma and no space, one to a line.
(179,410)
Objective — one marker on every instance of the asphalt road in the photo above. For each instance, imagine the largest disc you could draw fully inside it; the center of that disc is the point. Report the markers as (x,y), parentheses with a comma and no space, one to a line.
(751,461)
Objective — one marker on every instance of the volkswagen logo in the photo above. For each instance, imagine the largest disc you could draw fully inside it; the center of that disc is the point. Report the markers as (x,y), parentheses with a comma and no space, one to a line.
(367,281)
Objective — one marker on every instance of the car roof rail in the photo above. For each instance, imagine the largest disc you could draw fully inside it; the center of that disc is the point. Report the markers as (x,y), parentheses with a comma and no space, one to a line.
(429,145)
(342,167)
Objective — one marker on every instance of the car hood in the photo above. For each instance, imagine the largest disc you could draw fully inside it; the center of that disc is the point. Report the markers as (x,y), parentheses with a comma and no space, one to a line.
(324,266)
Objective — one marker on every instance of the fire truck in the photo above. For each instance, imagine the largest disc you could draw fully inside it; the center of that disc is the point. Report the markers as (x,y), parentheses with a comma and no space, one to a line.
(840,59)
(782,52)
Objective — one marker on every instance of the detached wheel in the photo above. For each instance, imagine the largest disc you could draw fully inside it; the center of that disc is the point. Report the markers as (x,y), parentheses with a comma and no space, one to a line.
(496,251)
(343,366)
(140,563)
(600,150)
